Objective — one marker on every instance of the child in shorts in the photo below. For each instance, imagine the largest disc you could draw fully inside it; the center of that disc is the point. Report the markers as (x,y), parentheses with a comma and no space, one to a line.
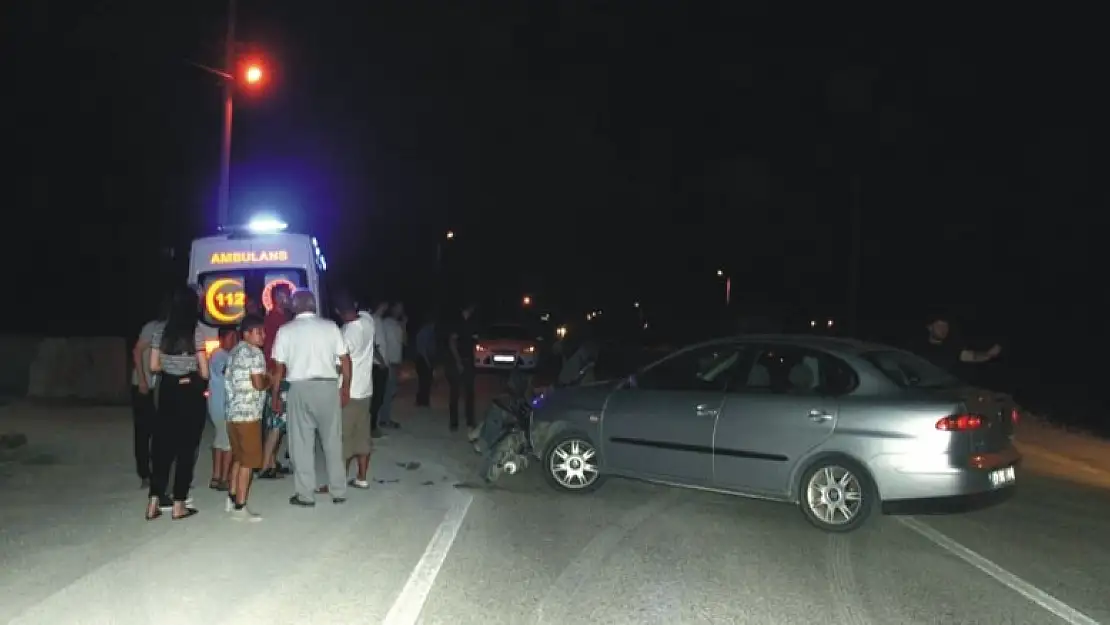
(217,395)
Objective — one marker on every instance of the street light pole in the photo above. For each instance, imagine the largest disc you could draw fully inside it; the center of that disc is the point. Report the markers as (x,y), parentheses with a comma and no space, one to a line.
(229,108)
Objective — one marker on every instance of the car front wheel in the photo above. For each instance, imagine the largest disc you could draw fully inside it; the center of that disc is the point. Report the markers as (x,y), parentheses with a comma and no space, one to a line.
(571,464)
(836,495)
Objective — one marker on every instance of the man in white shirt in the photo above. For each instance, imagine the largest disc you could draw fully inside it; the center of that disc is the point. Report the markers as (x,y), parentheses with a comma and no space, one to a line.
(358,334)
(305,353)
(391,342)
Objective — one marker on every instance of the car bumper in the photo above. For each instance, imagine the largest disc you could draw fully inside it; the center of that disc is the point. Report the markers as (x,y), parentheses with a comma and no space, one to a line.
(487,361)
(954,504)
(917,485)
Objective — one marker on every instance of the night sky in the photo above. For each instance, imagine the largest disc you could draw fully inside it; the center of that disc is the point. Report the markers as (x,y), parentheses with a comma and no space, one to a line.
(588,153)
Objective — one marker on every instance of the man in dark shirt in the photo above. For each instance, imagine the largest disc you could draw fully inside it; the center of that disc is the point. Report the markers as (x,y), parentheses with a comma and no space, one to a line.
(459,365)
(947,354)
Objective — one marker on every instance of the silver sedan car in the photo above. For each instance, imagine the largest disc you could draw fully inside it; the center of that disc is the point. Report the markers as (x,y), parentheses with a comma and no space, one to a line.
(839,427)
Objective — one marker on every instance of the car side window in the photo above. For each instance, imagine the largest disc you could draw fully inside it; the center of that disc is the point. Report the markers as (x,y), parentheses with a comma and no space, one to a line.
(791,370)
(707,368)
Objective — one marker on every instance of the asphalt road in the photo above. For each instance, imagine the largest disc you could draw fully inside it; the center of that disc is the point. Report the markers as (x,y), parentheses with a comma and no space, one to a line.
(75,548)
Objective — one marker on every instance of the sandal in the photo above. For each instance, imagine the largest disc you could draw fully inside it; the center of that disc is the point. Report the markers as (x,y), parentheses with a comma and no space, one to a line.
(153,505)
(188,513)
(214,484)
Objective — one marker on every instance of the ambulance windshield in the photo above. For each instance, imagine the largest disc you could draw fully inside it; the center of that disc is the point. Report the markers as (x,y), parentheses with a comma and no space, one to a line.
(228,295)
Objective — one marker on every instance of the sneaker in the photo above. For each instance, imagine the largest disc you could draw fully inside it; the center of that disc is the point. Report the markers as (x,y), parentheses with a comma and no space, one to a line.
(355,483)
(244,514)
(229,503)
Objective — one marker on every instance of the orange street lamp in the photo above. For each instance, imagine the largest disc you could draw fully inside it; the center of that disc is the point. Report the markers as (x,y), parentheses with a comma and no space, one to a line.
(253,74)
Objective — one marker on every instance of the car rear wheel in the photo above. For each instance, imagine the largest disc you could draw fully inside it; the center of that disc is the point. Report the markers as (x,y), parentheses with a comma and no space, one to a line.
(836,495)
(571,464)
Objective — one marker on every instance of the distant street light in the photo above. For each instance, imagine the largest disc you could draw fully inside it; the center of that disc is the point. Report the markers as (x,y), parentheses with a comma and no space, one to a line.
(448,236)
(636,304)
(526,300)
(728,286)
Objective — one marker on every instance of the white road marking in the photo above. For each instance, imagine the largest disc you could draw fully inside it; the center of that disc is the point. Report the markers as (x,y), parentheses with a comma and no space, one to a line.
(410,602)
(1015,583)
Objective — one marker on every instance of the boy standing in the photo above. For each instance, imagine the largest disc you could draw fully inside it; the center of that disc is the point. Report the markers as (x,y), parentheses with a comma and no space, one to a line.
(217,403)
(246,383)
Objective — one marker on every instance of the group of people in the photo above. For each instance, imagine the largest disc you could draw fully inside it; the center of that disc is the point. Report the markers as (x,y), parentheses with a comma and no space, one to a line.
(290,376)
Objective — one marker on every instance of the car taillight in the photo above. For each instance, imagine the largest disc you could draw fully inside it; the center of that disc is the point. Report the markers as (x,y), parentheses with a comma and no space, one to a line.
(960,423)
(1015,416)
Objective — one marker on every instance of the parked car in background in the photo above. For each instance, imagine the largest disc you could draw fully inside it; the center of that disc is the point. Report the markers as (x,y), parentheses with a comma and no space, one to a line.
(838,427)
(507,346)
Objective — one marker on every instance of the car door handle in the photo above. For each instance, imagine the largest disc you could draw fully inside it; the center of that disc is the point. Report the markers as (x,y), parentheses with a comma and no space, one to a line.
(819,416)
(705,411)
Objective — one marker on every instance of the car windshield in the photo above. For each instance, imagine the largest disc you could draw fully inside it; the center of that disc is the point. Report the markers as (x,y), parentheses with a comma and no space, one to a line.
(513,333)
(911,371)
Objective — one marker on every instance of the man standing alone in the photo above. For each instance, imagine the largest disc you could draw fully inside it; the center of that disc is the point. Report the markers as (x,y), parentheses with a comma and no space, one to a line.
(948,354)
(459,366)
(358,334)
(305,352)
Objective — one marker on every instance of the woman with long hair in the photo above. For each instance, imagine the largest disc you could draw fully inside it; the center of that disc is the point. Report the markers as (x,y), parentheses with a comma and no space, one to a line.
(177,356)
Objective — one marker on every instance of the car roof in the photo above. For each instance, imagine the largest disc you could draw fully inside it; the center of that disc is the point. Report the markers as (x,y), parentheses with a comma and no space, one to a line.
(827,343)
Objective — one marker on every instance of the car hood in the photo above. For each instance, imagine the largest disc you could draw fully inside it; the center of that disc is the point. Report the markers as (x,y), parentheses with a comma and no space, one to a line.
(585,397)
(516,344)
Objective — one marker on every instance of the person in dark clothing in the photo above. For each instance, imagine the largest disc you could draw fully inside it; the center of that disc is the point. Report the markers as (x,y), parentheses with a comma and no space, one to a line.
(948,354)
(459,366)
(379,372)
(425,361)
(177,354)
(142,394)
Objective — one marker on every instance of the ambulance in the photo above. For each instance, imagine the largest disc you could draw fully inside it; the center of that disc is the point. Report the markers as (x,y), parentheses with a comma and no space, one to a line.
(235,272)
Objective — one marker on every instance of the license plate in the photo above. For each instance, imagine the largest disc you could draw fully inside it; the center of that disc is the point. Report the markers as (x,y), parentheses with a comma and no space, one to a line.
(504,359)
(1002,477)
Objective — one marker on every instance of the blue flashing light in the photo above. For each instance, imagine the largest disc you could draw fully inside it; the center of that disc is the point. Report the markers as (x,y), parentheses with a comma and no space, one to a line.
(266,225)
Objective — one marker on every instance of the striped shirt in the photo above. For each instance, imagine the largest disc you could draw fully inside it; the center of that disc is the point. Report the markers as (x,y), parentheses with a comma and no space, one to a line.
(178,364)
